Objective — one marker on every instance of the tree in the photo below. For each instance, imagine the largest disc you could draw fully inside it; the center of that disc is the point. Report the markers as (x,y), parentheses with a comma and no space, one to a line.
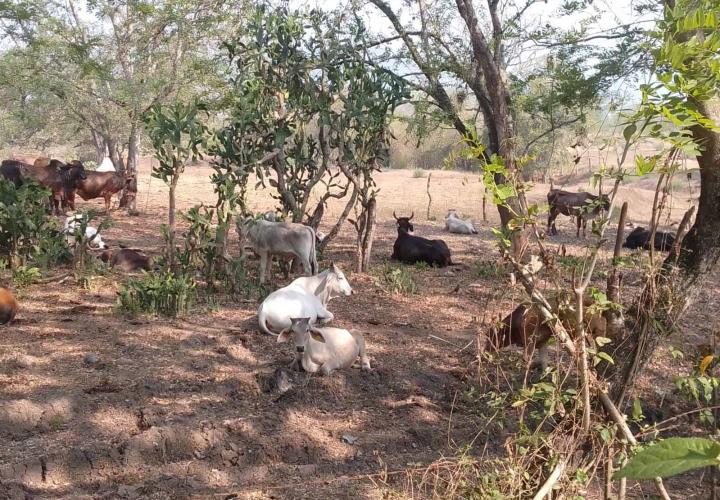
(478,62)
(681,108)
(177,135)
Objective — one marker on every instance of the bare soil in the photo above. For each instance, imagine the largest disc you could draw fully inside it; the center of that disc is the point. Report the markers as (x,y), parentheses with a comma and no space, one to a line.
(94,405)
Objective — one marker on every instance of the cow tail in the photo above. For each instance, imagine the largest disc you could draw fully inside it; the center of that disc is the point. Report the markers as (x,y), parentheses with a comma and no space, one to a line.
(313,255)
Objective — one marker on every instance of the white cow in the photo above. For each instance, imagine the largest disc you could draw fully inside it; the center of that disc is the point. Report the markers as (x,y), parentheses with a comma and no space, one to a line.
(324,349)
(306,297)
(454,224)
(94,241)
(106,165)
(284,239)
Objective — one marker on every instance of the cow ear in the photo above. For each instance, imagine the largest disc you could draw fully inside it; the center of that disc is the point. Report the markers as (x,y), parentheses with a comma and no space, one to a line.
(284,335)
(317,335)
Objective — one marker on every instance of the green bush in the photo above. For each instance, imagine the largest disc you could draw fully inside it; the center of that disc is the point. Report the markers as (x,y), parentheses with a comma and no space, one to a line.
(487,269)
(162,293)
(28,235)
(418,173)
(23,276)
(397,279)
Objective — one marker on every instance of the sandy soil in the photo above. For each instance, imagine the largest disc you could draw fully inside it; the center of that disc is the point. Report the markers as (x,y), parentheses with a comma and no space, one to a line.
(93,405)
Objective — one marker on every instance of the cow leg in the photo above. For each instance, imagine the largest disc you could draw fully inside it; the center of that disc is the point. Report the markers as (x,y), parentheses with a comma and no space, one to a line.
(307,269)
(579,223)
(551,221)
(107,202)
(263,265)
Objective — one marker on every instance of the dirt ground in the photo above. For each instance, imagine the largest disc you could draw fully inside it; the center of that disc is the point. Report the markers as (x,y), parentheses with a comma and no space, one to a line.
(93,405)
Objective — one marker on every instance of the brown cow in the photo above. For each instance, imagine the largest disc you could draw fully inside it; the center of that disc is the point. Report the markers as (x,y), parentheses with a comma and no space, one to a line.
(8,306)
(581,205)
(524,327)
(126,259)
(61,178)
(99,185)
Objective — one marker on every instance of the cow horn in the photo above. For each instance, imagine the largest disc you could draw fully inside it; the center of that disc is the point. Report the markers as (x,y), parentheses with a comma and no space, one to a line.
(396,217)
(411,216)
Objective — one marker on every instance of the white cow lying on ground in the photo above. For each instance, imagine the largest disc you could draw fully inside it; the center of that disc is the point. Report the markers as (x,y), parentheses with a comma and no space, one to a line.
(306,297)
(454,224)
(324,349)
(284,239)
(94,241)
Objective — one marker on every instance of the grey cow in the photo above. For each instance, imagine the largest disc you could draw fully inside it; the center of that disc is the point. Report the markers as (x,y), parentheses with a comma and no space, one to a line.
(282,239)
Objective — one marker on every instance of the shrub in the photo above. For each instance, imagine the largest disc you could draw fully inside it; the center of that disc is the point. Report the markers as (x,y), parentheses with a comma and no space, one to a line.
(418,173)
(157,293)
(27,233)
(397,279)
(487,269)
(23,276)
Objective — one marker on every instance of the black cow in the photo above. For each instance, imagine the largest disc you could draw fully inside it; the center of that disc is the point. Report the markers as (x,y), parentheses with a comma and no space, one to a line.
(582,206)
(411,249)
(640,238)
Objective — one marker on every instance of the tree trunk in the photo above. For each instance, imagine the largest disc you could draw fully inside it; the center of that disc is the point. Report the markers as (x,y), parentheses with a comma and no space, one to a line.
(100,146)
(171,221)
(129,197)
(670,291)
(338,225)
(369,236)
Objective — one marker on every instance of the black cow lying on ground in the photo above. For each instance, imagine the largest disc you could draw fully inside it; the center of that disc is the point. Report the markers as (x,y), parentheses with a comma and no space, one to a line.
(640,238)
(411,249)
(582,206)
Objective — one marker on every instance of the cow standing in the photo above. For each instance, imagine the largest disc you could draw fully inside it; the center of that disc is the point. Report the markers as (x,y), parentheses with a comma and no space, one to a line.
(283,239)
(411,249)
(99,185)
(582,206)
(60,177)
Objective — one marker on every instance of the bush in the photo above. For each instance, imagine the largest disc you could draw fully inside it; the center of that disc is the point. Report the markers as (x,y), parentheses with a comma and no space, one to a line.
(162,293)
(418,173)
(487,269)
(23,276)
(27,233)
(397,279)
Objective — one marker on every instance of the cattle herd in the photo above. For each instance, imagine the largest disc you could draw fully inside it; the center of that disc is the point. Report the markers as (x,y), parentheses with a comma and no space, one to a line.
(299,311)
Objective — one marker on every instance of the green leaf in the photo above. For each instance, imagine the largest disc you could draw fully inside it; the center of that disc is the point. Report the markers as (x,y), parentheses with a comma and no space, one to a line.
(603,356)
(629,131)
(670,458)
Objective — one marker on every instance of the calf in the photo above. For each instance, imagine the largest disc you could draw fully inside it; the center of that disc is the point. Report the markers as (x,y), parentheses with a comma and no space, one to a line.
(61,178)
(8,306)
(411,249)
(525,328)
(640,238)
(581,205)
(454,224)
(126,260)
(306,297)
(99,185)
(324,349)
(283,239)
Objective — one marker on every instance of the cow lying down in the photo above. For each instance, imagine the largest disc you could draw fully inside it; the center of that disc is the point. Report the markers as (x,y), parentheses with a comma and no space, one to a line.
(126,259)
(306,297)
(454,224)
(324,349)
(640,238)
(73,223)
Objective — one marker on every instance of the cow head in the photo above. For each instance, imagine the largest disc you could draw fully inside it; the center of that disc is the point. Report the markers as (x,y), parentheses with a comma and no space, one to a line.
(336,283)
(73,171)
(403,223)
(300,332)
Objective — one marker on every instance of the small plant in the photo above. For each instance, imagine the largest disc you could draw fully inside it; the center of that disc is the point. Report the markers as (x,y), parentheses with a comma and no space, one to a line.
(421,266)
(487,269)
(397,279)
(162,293)
(418,173)
(570,261)
(23,276)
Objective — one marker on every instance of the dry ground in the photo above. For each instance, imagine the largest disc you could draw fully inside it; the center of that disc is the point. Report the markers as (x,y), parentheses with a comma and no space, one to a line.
(179,408)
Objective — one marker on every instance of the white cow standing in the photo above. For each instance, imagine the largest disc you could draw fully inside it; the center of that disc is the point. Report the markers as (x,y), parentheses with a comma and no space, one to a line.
(283,239)
(454,224)
(324,349)
(106,165)
(306,297)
